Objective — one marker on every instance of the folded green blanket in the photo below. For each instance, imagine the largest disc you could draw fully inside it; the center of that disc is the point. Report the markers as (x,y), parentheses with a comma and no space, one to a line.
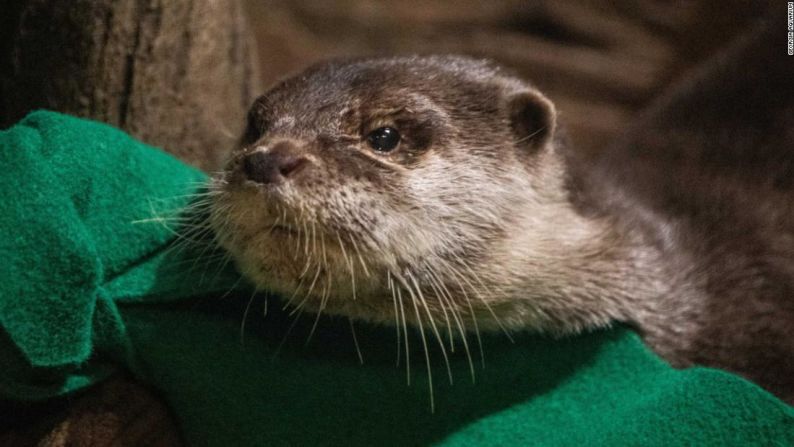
(94,279)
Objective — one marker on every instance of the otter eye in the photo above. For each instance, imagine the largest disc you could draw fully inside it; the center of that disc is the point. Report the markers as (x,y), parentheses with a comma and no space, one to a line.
(383,139)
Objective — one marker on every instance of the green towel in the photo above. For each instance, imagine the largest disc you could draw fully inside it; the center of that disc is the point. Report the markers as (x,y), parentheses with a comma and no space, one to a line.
(94,280)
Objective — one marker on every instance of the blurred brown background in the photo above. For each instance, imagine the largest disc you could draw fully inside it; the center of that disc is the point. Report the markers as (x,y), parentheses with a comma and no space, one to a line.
(600,62)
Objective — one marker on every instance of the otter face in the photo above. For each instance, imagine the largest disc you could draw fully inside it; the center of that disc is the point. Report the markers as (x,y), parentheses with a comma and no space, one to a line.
(380,189)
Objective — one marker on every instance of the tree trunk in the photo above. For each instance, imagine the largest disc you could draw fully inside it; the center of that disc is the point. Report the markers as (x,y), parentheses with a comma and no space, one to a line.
(178,74)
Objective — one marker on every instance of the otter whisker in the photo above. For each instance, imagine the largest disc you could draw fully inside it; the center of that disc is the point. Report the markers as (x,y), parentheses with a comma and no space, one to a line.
(193,237)
(349,264)
(173,223)
(305,240)
(488,306)
(193,203)
(405,335)
(432,322)
(308,293)
(314,238)
(187,202)
(530,136)
(209,245)
(225,294)
(355,341)
(424,344)
(458,276)
(476,328)
(226,258)
(213,246)
(180,247)
(456,316)
(479,295)
(300,228)
(201,194)
(296,226)
(298,287)
(187,212)
(360,258)
(324,257)
(286,335)
(305,267)
(162,219)
(279,218)
(227,255)
(464,339)
(390,286)
(245,318)
(193,260)
(323,301)
(444,311)
(171,230)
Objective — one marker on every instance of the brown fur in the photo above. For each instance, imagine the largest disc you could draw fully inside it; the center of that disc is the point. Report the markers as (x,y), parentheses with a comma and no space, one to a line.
(483,219)
(707,175)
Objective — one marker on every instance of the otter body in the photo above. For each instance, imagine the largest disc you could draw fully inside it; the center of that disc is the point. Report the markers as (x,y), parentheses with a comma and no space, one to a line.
(707,176)
(436,192)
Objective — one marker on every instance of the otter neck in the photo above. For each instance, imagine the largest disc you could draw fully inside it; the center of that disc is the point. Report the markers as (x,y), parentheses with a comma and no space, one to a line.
(569,272)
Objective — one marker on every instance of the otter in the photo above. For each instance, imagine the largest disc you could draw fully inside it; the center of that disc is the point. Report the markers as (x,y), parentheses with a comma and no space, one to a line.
(439,192)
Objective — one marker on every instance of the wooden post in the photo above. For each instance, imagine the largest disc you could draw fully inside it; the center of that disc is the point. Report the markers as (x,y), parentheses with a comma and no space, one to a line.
(178,74)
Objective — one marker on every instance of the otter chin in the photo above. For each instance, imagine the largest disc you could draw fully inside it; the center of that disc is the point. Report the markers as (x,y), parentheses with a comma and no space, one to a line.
(437,191)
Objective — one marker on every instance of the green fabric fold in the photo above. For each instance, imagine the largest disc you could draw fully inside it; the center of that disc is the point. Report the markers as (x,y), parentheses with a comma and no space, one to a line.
(87,222)
(96,278)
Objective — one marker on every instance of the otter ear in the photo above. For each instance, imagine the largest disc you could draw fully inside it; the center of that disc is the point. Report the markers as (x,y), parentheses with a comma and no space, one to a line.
(532,119)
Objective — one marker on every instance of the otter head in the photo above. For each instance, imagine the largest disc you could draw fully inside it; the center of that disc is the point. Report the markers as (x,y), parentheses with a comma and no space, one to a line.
(395,188)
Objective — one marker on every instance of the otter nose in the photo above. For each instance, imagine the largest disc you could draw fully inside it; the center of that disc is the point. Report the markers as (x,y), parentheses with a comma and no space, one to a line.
(275,165)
